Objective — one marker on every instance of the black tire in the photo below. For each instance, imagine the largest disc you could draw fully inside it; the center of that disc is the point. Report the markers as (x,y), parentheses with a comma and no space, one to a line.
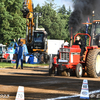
(79,70)
(91,63)
(83,73)
(58,71)
(73,73)
(46,58)
(41,58)
(52,72)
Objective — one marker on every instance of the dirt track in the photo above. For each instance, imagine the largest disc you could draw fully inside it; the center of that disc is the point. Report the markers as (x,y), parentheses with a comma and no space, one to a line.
(39,85)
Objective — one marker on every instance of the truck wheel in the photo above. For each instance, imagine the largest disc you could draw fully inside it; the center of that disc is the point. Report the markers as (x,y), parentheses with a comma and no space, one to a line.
(79,70)
(41,58)
(93,63)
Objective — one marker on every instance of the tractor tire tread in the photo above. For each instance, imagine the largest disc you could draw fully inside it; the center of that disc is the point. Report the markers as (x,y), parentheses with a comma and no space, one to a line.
(91,62)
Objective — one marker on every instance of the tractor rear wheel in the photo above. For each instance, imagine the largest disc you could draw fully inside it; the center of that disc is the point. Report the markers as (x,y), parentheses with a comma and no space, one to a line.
(79,70)
(93,63)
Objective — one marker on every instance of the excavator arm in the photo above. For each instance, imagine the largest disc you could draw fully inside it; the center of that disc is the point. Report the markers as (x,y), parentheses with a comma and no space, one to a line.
(28,14)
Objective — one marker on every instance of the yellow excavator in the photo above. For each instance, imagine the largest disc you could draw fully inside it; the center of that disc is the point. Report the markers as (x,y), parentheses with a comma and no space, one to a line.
(28,14)
(36,41)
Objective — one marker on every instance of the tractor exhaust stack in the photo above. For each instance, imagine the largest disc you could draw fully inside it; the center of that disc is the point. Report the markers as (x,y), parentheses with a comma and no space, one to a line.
(71,37)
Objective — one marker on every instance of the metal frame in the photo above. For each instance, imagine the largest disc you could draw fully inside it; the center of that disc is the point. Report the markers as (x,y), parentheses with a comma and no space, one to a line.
(83,34)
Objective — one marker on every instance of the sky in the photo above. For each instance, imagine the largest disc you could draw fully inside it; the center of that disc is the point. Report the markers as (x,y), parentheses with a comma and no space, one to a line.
(67,3)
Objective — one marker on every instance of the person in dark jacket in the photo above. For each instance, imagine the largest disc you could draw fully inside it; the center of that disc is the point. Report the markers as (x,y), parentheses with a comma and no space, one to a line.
(81,44)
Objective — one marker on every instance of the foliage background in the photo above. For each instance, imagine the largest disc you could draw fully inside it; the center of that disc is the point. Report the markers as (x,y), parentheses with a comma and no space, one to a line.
(54,19)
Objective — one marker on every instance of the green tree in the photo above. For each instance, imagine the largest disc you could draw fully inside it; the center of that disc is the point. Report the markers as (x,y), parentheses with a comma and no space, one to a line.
(12,24)
(50,3)
(62,10)
(49,20)
(65,23)
(56,24)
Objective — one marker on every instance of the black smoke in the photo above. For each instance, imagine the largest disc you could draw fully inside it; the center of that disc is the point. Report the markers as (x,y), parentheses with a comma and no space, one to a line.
(82,10)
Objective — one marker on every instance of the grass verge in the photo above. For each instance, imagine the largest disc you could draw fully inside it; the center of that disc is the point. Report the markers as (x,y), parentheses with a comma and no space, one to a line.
(6,65)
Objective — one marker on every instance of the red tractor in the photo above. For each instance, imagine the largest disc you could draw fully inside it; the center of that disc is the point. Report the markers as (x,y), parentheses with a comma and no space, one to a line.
(69,60)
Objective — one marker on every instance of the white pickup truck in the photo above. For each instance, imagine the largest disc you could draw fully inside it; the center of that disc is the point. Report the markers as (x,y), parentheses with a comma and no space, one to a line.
(2,50)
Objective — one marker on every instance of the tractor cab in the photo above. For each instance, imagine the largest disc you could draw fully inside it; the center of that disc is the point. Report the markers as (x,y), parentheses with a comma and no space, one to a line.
(95,33)
(39,40)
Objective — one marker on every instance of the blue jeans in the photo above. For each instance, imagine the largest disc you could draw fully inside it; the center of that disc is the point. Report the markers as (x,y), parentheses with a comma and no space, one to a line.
(18,63)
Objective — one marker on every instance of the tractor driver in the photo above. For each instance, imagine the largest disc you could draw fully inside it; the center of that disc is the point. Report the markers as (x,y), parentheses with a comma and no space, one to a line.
(80,43)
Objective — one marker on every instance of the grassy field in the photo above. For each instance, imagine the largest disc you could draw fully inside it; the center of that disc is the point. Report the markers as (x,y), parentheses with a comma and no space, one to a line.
(5,65)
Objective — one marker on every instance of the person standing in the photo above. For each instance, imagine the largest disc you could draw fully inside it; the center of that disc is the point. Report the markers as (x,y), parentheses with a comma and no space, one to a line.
(19,51)
(66,44)
(15,46)
(55,60)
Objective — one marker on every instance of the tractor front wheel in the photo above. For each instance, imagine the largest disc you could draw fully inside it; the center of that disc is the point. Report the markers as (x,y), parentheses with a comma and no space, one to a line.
(79,70)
